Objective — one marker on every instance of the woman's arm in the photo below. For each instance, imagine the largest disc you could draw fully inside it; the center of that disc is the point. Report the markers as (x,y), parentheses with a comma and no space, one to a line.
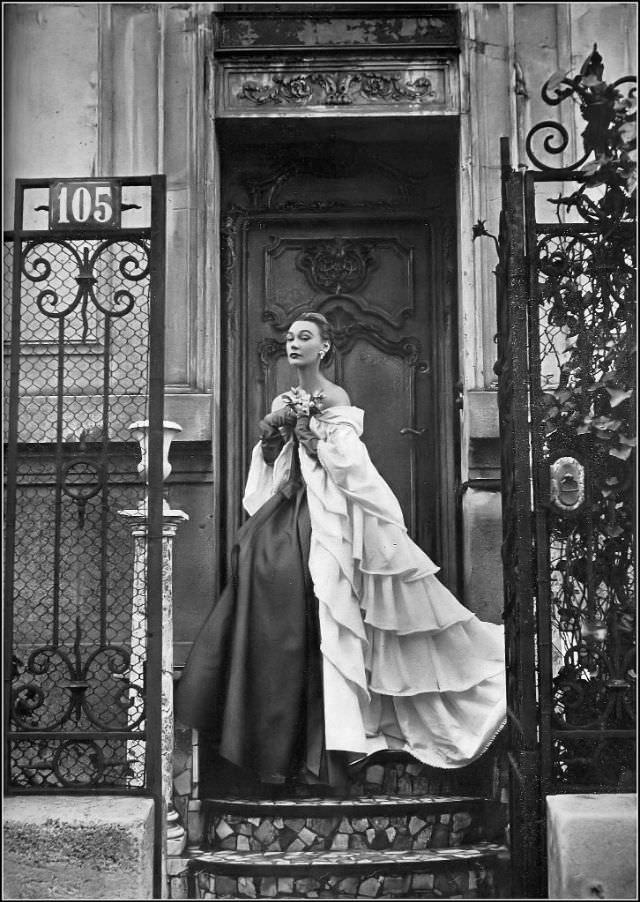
(275,430)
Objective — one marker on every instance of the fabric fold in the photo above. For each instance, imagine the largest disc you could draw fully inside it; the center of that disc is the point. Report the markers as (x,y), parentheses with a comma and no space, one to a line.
(404,664)
(433,672)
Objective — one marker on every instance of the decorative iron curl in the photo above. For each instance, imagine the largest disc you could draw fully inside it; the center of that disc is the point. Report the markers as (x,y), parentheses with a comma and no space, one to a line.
(91,752)
(131,261)
(25,701)
(27,698)
(51,296)
(558,134)
(118,662)
(38,662)
(123,302)
(42,261)
(51,304)
(602,107)
(38,262)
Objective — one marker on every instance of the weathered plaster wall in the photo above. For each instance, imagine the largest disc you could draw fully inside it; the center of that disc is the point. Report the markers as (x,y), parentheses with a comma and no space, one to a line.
(50,68)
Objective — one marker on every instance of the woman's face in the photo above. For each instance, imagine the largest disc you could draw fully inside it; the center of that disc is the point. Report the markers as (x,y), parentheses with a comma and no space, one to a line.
(304,343)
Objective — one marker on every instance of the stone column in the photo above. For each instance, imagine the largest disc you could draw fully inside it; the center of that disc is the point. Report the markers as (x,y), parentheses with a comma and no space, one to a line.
(171,519)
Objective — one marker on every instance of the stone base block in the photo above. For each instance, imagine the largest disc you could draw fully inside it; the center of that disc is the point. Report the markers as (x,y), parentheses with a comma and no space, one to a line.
(592,846)
(71,847)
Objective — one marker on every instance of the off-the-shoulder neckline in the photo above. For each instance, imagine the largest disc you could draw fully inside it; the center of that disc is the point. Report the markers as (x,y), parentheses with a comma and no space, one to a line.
(339,407)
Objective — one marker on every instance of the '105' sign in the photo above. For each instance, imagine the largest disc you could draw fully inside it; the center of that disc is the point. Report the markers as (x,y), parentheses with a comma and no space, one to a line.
(88,203)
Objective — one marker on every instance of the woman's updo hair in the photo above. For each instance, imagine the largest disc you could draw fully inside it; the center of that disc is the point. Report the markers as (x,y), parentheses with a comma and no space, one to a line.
(325,329)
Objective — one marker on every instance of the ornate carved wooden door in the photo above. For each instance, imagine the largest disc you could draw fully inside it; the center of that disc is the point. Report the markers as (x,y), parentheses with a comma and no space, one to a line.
(341,241)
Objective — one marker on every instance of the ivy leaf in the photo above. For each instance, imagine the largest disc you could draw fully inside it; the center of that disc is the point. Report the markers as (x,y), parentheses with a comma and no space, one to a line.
(617,395)
(478,229)
(556,79)
(592,168)
(627,132)
(620,453)
(603,423)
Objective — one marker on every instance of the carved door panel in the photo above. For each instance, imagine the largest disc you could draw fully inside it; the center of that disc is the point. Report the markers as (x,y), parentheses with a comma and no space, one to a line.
(379,280)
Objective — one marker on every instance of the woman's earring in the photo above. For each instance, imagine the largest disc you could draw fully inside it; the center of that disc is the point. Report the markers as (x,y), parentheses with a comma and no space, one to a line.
(322,353)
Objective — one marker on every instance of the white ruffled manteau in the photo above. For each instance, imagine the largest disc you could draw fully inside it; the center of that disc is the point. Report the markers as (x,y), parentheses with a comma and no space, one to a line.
(405,665)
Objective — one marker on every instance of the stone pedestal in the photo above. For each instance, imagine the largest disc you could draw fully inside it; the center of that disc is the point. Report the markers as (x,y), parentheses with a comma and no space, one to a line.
(591,841)
(77,847)
(171,519)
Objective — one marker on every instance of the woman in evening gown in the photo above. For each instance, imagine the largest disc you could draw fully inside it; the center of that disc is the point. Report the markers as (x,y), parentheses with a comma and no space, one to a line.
(334,638)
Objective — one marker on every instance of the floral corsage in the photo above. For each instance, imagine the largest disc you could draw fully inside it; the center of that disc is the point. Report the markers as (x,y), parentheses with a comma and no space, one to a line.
(302,403)
(304,406)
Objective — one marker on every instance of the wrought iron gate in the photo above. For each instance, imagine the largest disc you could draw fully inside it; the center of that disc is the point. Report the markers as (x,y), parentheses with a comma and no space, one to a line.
(85,314)
(566,320)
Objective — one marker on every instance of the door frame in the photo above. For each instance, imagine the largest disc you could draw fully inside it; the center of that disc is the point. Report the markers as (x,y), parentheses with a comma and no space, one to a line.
(442,354)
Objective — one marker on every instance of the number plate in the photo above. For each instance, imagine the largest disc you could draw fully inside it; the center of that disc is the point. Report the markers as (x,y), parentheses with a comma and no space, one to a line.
(84,203)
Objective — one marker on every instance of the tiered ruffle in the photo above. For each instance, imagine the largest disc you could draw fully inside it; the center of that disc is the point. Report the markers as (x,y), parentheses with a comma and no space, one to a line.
(405,665)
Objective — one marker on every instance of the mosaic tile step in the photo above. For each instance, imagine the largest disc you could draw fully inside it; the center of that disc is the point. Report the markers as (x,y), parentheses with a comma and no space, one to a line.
(344,863)
(372,823)
(324,807)
(479,872)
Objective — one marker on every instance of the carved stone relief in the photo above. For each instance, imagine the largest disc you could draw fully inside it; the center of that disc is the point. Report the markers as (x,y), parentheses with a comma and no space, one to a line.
(338,88)
(338,265)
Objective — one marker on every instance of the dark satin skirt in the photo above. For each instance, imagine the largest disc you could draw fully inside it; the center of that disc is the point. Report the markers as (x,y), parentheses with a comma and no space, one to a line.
(253,679)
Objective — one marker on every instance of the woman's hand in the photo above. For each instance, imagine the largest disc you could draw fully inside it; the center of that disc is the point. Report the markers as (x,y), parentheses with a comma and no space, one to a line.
(305,436)
(285,417)
(283,420)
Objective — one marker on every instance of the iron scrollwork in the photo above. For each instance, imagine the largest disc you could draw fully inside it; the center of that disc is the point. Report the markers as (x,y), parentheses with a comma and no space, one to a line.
(54,688)
(583,429)
(40,264)
(603,106)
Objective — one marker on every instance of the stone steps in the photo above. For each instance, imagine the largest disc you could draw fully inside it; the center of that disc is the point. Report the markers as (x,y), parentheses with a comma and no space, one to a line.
(383,846)
(401,830)
(397,823)
(462,872)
